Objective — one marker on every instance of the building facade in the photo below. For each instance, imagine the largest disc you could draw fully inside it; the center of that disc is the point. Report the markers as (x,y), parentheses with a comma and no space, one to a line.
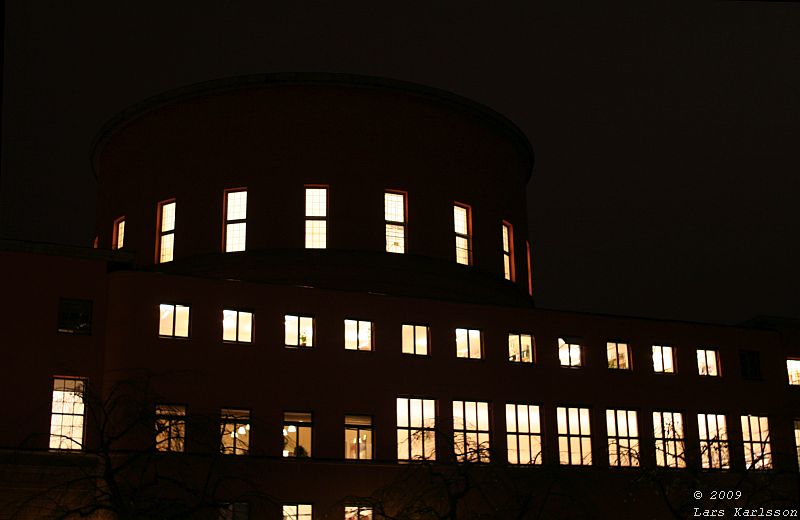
(310,297)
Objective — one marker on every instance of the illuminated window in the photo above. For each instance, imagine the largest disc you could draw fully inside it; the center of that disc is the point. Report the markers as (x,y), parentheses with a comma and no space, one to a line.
(793,369)
(297,427)
(394,211)
(358,513)
(234,511)
(416,429)
(623,438)
(235,432)
(520,348)
(663,361)
(316,218)
(297,512)
(357,437)
(237,326)
(755,434)
(619,355)
(569,353)
(508,252)
(415,339)
(299,331)
(707,363)
(574,436)
(166,231)
(118,234)
(713,441)
(468,343)
(75,316)
(173,321)
(67,414)
(471,431)
(523,434)
(750,364)
(462,217)
(170,427)
(235,220)
(668,434)
(357,335)
(797,438)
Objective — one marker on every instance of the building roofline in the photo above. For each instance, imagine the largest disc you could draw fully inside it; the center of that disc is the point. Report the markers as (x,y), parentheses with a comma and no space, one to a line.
(494,119)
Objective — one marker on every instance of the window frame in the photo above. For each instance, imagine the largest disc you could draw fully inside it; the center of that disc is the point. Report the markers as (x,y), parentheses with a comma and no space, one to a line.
(228,222)
(530,272)
(672,359)
(520,336)
(763,461)
(793,374)
(307,452)
(300,317)
(630,448)
(60,439)
(403,224)
(711,446)
(425,432)
(461,435)
(463,236)
(173,418)
(237,328)
(297,514)
(676,441)
(584,439)
(173,334)
(309,219)
(532,438)
(358,323)
(359,428)
(161,233)
(569,342)
(616,346)
(237,418)
(705,353)
(414,327)
(509,269)
(469,341)
(118,233)
(359,509)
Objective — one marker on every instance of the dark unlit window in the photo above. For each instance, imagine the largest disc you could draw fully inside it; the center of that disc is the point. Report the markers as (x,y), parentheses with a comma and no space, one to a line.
(75,316)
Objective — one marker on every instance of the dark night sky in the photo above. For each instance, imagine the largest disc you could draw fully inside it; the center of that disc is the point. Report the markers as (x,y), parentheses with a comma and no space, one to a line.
(666,132)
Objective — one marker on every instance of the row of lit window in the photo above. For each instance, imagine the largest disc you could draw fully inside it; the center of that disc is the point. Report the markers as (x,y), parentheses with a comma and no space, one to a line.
(241,511)
(237,326)
(417,432)
(316,227)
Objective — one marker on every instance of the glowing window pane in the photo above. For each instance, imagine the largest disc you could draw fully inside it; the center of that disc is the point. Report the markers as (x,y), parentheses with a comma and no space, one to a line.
(793,370)
(357,335)
(299,331)
(297,432)
(623,441)
(236,205)
(569,353)
(416,428)
(460,220)
(468,343)
(618,356)
(118,240)
(316,202)
(358,513)
(358,437)
(235,432)
(663,359)
(168,217)
(395,238)
(520,348)
(170,427)
(756,438)
(707,363)
(316,234)
(235,237)
(166,252)
(574,436)
(669,440)
(67,414)
(471,431)
(173,320)
(297,512)
(713,441)
(461,226)
(508,261)
(237,326)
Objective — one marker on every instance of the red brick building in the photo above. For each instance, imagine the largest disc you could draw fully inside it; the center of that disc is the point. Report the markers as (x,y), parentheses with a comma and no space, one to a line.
(310,296)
